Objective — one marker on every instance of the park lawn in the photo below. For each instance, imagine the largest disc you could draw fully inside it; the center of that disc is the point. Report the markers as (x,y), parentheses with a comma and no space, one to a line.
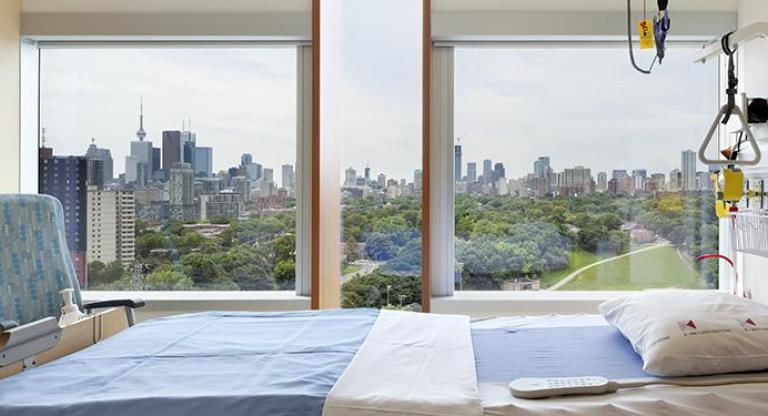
(659,267)
(579,259)
(351,268)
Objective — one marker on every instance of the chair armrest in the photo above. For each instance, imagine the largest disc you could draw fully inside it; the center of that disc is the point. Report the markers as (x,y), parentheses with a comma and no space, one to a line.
(25,341)
(128,304)
(134,303)
(7,325)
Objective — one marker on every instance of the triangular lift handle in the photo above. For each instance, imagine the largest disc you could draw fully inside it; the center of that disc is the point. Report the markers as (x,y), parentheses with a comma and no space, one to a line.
(713,131)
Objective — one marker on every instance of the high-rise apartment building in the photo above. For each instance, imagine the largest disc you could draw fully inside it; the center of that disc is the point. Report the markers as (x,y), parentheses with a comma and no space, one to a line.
(688,170)
(289,177)
(111,226)
(242,185)
(180,184)
(675,180)
(65,178)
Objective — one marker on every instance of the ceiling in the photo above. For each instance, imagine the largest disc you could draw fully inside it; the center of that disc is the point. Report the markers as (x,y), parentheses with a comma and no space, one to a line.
(238,6)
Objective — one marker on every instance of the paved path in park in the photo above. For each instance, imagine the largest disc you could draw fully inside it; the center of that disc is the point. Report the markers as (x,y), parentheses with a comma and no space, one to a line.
(567,279)
(366,267)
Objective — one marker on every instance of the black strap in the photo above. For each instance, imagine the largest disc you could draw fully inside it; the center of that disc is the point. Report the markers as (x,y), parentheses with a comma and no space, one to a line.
(733,81)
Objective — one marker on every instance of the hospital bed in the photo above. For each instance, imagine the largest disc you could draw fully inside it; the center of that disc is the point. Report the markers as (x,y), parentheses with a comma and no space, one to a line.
(345,362)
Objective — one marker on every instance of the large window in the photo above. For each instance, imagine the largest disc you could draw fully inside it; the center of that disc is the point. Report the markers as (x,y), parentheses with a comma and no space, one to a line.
(176,167)
(381,186)
(573,172)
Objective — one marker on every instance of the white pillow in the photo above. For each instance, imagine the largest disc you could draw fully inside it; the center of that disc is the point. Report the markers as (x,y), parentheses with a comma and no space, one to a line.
(689,332)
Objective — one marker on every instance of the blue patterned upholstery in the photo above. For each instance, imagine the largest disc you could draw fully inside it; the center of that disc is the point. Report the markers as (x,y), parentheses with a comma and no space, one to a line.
(34,259)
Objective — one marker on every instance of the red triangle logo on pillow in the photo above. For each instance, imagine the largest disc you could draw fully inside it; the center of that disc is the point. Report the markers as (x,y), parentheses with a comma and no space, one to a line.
(750,322)
(686,325)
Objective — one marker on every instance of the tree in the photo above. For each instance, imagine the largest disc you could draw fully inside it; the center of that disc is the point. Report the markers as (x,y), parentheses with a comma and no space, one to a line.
(202,268)
(148,241)
(166,278)
(285,273)
(284,246)
(380,247)
(104,274)
(351,252)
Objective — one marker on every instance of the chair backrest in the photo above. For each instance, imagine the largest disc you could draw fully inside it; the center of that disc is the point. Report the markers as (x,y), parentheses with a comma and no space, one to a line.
(35,263)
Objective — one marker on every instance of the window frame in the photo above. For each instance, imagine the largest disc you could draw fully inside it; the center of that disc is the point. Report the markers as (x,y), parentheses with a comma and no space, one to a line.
(445,298)
(30,64)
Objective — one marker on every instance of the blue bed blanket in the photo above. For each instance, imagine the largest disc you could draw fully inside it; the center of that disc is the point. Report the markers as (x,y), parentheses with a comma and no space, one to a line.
(504,354)
(215,363)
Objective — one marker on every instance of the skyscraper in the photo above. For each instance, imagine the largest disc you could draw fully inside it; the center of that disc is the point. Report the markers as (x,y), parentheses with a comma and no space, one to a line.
(94,154)
(499,172)
(381,180)
(487,171)
(541,166)
(246,159)
(471,172)
(675,180)
(188,144)
(602,182)
(350,177)
(156,161)
(639,176)
(457,162)
(171,150)
(418,179)
(203,161)
(65,177)
(254,170)
(289,178)
(367,176)
(267,183)
(688,170)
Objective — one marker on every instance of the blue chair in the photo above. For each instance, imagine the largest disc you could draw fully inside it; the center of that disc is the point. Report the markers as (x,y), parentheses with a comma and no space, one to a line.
(35,266)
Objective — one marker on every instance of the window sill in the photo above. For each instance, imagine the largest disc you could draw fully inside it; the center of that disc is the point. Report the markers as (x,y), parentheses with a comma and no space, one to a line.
(161,303)
(484,303)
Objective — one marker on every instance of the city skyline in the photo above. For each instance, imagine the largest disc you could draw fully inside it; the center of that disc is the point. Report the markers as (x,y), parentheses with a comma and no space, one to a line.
(487,92)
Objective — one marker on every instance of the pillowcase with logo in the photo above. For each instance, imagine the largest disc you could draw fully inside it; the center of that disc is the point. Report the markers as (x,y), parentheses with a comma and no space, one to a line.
(690,333)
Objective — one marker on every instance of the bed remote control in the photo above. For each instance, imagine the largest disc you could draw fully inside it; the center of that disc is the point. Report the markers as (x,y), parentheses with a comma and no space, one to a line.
(538,388)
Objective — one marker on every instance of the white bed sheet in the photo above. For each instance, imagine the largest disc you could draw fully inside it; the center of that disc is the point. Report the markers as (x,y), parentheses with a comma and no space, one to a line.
(731,400)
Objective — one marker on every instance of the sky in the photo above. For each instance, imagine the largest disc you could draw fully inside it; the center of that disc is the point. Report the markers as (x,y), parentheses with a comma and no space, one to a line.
(579,106)
(239,100)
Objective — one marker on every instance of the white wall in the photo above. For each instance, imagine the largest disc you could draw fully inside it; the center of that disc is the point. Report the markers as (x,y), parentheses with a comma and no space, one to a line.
(753,79)
(10,27)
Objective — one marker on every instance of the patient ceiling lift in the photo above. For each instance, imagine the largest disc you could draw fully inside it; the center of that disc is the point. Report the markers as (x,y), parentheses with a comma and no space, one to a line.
(652,34)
